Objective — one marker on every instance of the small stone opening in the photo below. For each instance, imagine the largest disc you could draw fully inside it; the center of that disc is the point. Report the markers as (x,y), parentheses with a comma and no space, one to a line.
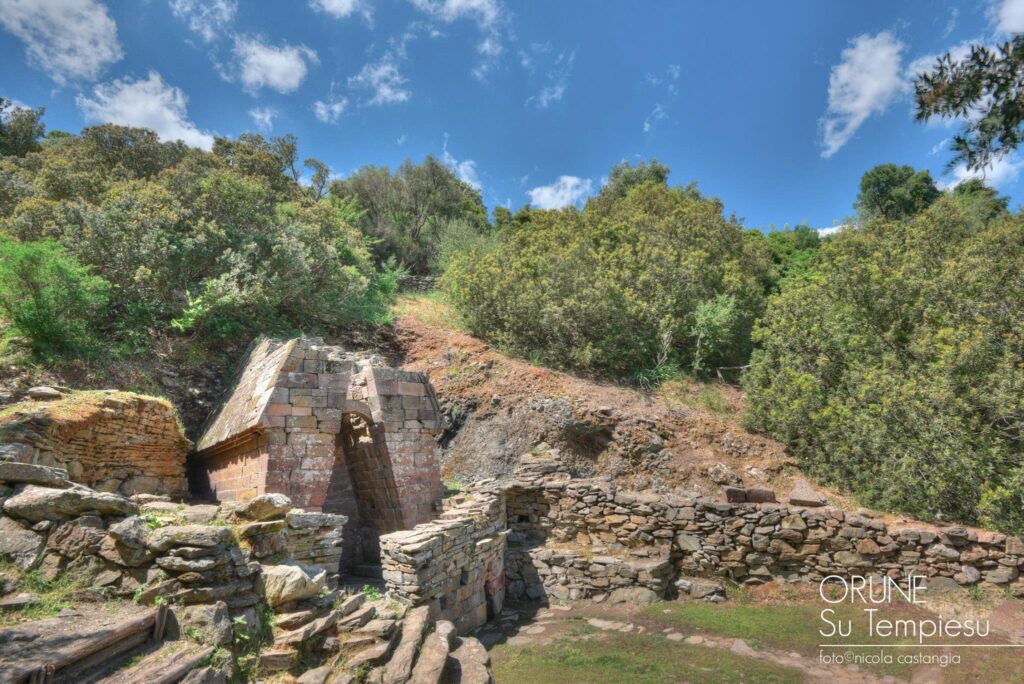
(362,487)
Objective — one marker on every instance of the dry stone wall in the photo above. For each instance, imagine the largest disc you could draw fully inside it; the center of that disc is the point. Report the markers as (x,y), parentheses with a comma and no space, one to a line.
(455,564)
(560,538)
(108,440)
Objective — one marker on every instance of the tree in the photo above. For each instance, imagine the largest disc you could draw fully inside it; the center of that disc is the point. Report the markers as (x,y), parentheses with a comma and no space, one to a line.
(640,287)
(625,176)
(406,211)
(894,369)
(894,193)
(792,252)
(985,89)
(49,296)
(20,129)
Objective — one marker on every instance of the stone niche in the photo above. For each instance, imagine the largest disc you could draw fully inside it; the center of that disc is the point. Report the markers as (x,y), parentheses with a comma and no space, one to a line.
(112,441)
(335,431)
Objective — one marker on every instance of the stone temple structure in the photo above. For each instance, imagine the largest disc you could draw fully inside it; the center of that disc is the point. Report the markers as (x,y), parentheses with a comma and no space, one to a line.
(334,431)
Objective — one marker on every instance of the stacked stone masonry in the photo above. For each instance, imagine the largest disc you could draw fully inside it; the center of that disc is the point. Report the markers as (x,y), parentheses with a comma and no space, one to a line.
(570,539)
(111,441)
(335,432)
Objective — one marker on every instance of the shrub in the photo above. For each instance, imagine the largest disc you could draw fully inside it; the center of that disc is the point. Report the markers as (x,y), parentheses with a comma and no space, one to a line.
(49,296)
(894,368)
(657,279)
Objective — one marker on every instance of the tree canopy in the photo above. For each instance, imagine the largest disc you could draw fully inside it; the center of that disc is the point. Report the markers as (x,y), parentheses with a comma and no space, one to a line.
(985,89)
(405,212)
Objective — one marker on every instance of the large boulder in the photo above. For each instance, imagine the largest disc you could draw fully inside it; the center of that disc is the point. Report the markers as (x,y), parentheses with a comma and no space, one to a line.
(291,582)
(43,503)
(639,596)
(264,507)
(19,545)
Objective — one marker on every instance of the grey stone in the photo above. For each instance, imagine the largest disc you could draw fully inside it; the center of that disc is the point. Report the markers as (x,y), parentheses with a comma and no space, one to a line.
(470,662)
(688,542)
(211,620)
(131,532)
(399,667)
(21,546)
(27,473)
(43,393)
(803,494)
(208,536)
(42,503)
(291,582)
(636,595)
(967,575)
(701,590)
(264,507)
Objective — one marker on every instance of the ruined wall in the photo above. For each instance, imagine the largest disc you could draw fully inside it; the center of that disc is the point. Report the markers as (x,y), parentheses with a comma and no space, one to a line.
(455,564)
(112,441)
(567,539)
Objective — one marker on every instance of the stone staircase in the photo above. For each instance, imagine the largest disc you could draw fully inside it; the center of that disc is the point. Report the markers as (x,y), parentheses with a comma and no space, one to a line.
(89,647)
(348,637)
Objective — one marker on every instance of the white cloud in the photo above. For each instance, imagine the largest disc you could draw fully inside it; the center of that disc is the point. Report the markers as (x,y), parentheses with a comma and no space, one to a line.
(465,169)
(384,81)
(657,114)
(1003,170)
(939,146)
(263,117)
(401,140)
(484,12)
(558,81)
(954,19)
(674,71)
(331,110)
(341,9)
(832,230)
(68,39)
(566,191)
(865,82)
(1007,15)
(208,18)
(280,68)
(148,103)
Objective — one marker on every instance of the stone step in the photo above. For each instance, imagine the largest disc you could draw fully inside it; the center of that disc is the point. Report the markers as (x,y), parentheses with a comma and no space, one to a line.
(169,664)
(64,650)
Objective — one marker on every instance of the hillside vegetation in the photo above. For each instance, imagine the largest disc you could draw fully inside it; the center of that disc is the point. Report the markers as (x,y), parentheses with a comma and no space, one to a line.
(889,359)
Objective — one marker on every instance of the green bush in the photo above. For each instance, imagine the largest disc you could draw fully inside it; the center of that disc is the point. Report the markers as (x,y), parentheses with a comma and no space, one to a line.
(49,296)
(655,279)
(894,368)
(221,245)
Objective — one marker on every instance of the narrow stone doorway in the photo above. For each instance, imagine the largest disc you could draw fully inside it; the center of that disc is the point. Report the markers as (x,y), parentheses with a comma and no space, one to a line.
(362,487)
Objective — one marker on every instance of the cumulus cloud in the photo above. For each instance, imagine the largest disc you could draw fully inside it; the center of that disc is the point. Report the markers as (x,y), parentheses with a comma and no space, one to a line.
(281,68)
(383,81)
(342,9)
(1003,171)
(263,117)
(1007,15)
(330,111)
(566,191)
(148,103)
(68,39)
(867,81)
(207,18)
(465,169)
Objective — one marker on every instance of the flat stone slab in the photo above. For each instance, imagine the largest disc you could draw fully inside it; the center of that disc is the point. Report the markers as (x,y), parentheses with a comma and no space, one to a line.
(13,472)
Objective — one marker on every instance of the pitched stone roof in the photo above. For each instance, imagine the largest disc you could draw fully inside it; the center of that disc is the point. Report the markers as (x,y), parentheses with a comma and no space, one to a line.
(250,394)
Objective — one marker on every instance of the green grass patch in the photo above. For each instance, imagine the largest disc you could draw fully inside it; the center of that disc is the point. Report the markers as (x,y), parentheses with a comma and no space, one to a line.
(634,658)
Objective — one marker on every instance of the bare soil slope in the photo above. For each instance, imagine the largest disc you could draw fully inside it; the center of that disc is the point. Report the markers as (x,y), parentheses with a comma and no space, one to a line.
(499,408)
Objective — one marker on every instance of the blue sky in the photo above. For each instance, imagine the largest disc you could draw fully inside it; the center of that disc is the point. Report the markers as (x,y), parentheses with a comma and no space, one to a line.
(777,108)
